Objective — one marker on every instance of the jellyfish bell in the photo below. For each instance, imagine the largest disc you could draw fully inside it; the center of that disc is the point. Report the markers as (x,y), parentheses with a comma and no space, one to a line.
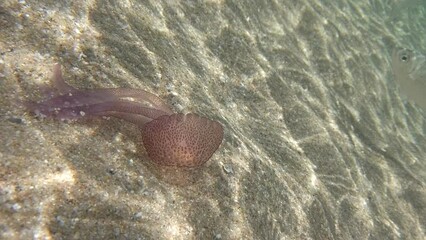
(409,71)
(182,140)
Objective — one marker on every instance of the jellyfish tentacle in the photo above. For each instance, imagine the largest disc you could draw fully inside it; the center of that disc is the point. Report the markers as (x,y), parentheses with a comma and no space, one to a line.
(120,109)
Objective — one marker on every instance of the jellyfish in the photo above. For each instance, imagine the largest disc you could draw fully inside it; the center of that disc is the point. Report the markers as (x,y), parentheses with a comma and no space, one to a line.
(170,139)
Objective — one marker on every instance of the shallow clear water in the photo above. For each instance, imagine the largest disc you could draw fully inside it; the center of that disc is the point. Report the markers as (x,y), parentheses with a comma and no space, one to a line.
(320,141)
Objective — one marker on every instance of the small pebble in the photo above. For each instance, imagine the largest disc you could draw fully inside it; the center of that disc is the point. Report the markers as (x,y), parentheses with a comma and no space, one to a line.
(218,236)
(137,216)
(228,169)
(15,207)
(16,120)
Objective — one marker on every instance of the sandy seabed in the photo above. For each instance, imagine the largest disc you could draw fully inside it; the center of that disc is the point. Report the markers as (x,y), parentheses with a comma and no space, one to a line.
(319,144)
